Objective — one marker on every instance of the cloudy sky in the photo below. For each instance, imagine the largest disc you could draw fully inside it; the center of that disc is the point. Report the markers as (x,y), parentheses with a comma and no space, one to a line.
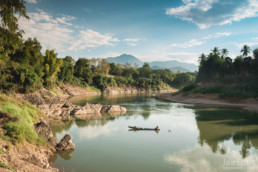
(148,29)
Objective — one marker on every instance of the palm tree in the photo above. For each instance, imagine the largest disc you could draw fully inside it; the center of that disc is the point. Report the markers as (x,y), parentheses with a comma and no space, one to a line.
(224,53)
(215,51)
(202,58)
(245,50)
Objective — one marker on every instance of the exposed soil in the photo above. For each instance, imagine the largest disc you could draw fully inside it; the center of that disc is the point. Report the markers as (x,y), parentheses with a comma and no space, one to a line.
(250,104)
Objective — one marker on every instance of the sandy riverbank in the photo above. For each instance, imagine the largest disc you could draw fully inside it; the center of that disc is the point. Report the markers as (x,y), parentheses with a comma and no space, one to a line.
(210,99)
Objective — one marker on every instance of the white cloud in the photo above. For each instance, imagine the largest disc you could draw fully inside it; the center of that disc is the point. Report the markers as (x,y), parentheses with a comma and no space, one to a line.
(90,38)
(132,41)
(206,13)
(48,30)
(218,35)
(188,44)
(250,44)
(32,1)
(58,33)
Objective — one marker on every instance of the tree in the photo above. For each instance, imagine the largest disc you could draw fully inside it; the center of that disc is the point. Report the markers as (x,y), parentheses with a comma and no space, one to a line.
(245,50)
(215,51)
(67,70)
(255,62)
(202,58)
(224,53)
(52,66)
(238,64)
(82,70)
(10,35)
(227,66)
(255,54)
(115,69)
(145,71)
(8,11)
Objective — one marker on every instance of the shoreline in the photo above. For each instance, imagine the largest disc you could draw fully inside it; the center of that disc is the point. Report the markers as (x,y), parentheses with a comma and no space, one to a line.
(210,99)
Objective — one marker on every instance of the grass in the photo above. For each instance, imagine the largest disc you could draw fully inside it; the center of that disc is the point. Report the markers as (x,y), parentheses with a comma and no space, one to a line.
(92,88)
(23,128)
(3,165)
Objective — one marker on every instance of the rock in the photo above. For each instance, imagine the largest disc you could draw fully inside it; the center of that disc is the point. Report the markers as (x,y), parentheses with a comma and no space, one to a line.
(40,161)
(65,143)
(113,108)
(87,109)
(43,130)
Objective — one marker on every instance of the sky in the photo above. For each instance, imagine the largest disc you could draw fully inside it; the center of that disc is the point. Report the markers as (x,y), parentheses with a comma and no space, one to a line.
(151,30)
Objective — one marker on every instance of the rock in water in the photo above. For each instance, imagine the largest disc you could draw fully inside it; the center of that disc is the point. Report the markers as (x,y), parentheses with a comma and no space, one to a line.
(113,108)
(65,143)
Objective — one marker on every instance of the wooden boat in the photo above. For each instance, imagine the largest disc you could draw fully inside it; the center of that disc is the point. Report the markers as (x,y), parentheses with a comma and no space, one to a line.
(138,128)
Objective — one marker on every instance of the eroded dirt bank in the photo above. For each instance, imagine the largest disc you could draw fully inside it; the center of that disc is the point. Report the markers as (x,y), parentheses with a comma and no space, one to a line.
(210,99)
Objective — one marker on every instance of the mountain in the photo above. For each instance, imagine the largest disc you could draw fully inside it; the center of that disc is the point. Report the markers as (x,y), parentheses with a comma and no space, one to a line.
(172,65)
(125,58)
(173,69)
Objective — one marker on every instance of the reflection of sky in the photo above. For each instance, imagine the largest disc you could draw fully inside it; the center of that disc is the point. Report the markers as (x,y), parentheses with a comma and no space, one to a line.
(91,132)
(105,142)
(202,159)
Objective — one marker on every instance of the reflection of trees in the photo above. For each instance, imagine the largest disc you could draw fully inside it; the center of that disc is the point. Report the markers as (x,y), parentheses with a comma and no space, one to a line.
(93,123)
(216,126)
(58,126)
(145,114)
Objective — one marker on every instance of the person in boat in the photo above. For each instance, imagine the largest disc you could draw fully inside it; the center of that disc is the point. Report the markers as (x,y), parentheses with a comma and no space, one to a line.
(157,128)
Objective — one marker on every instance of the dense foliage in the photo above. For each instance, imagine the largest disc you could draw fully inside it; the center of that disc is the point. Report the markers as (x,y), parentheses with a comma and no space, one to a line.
(220,74)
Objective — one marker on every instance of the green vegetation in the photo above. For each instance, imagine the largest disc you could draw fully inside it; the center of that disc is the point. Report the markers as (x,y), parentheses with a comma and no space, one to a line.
(3,165)
(219,74)
(23,67)
(24,115)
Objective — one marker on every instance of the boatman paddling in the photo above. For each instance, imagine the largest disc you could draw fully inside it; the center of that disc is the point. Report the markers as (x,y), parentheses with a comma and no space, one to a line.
(157,128)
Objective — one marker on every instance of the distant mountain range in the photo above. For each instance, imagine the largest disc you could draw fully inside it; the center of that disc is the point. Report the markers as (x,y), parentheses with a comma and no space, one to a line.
(172,65)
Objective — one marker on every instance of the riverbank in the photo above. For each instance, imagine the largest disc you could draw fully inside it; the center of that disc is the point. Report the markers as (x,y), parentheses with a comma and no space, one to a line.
(250,104)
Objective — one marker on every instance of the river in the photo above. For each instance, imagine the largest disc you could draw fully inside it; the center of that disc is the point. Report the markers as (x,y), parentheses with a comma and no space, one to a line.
(191,138)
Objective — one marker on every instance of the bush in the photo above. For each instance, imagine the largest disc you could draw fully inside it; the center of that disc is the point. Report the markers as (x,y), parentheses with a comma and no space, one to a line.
(188,88)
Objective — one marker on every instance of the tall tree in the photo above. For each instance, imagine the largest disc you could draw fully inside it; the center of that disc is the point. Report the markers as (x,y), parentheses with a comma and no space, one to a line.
(52,66)
(8,12)
(82,70)
(10,35)
(245,50)
(224,52)
(215,51)
(67,70)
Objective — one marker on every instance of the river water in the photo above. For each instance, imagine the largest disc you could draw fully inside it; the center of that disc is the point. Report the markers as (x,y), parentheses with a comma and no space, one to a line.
(191,138)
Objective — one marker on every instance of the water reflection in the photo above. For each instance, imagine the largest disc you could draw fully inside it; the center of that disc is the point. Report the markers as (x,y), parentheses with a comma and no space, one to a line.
(217,126)
(202,138)
(201,159)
